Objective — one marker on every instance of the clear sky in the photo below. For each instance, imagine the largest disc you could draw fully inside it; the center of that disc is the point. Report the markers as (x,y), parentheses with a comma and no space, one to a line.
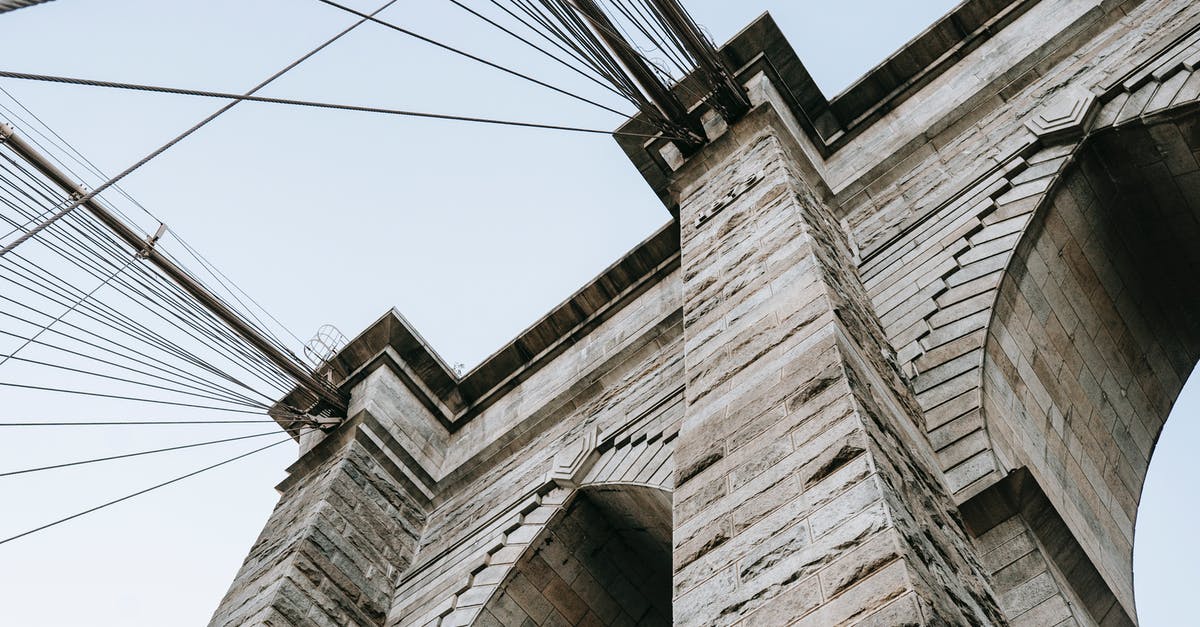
(329,217)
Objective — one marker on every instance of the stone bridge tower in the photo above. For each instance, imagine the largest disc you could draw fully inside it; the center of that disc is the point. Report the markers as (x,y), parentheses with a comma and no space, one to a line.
(901,359)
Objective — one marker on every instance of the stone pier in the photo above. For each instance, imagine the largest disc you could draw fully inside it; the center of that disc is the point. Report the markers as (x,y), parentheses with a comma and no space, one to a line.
(900,357)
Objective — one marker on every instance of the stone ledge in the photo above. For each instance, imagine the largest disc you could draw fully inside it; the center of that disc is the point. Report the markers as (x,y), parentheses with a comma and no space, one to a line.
(392,341)
(831,123)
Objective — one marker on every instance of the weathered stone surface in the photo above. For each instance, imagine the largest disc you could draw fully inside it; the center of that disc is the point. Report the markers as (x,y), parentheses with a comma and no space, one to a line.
(843,448)
(332,550)
(902,359)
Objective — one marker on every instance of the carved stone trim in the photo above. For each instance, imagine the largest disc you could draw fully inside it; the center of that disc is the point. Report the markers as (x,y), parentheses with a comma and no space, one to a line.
(573,461)
(1065,118)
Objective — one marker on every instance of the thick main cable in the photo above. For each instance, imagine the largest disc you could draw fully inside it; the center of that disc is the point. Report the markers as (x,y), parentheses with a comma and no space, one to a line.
(538,48)
(72,152)
(131,423)
(103,313)
(85,259)
(61,143)
(150,337)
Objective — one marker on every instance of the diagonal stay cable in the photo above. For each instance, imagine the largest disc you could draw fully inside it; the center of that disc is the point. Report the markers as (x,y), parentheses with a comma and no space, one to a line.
(315,104)
(545,29)
(112,315)
(116,348)
(141,492)
(155,386)
(561,19)
(478,59)
(73,307)
(131,423)
(168,349)
(234,290)
(125,327)
(37,217)
(533,45)
(43,210)
(70,151)
(191,388)
(98,235)
(96,460)
(107,316)
(98,272)
(170,303)
(79,158)
(161,149)
(43,388)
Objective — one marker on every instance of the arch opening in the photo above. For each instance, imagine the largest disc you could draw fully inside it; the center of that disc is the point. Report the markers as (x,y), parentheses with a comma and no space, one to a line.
(1166,559)
(1095,330)
(604,559)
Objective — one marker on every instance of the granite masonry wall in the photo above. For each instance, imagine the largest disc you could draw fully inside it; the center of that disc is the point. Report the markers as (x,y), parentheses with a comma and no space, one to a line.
(490,510)
(1095,331)
(902,366)
(799,444)
(593,566)
(332,549)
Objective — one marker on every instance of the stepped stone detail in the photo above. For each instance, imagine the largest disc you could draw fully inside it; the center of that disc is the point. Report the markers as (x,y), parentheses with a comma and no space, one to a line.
(1065,116)
(900,358)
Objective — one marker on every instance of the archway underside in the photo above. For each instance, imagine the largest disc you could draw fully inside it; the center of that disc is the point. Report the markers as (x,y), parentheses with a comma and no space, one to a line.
(1095,330)
(604,560)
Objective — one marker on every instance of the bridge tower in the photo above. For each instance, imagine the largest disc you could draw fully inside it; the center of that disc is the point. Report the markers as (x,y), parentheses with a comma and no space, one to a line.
(901,358)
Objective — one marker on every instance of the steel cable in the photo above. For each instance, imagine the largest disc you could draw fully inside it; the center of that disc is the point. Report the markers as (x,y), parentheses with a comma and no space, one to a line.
(140,492)
(158,151)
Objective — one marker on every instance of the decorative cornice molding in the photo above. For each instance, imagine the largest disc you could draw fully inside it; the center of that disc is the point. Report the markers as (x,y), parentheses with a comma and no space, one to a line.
(574,460)
(393,343)
(1065,118)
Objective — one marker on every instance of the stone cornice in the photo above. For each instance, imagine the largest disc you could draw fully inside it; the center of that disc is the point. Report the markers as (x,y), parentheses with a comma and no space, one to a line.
(831,123)
(393,343)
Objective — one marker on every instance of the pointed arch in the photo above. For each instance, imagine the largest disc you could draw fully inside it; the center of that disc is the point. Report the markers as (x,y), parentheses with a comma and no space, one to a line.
(605,557)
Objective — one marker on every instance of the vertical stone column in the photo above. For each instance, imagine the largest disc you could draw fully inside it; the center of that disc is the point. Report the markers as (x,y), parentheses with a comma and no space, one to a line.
(803,490)
(330,551)
(347,523)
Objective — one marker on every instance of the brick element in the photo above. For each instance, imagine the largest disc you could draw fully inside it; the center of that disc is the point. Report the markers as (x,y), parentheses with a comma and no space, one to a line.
(804,489)
(1038,570)
(1094,332)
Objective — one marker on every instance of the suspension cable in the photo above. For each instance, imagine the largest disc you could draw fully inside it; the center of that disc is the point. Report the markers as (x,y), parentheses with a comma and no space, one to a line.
(141,492)
(158,151)
(315,104)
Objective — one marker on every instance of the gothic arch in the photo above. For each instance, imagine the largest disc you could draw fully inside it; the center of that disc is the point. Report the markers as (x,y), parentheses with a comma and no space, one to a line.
(949,301)
(621,481)
(1095,326)
(604,557)
(935,282)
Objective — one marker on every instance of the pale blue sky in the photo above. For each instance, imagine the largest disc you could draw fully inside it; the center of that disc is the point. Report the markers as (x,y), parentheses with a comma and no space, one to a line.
(325,217)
